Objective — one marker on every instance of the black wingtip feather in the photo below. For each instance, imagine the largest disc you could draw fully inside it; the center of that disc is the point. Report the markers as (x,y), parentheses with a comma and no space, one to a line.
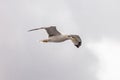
(78,45)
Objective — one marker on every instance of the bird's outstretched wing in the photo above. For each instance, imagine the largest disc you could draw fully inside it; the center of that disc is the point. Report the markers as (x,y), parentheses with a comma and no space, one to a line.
(76,40)
(52,31)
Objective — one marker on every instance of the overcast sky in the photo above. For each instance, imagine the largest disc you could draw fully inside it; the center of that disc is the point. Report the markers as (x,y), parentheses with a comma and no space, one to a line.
(22,57)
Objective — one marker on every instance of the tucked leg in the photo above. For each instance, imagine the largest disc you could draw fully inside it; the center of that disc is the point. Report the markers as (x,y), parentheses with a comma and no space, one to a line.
(45,40)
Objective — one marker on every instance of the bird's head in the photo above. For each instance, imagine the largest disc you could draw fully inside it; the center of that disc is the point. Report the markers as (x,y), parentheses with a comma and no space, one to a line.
(76,40)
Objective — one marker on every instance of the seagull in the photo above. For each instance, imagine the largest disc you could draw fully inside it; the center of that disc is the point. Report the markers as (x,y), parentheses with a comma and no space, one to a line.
(55,36)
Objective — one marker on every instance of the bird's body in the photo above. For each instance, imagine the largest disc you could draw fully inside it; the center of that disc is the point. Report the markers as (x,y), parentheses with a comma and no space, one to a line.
(59,38)
(56,36)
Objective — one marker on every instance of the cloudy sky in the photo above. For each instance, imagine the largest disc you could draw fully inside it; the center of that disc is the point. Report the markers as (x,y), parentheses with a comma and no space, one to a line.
(22,57)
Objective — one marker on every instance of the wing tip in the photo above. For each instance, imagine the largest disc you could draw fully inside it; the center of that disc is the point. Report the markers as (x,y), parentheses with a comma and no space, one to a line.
(79,44)
(35,29)
(29,30)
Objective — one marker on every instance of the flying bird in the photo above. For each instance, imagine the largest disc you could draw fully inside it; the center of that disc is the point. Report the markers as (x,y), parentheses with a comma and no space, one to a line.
(55,36)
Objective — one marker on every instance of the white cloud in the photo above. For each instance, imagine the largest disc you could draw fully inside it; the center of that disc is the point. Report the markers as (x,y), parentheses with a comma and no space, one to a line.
(108,51)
